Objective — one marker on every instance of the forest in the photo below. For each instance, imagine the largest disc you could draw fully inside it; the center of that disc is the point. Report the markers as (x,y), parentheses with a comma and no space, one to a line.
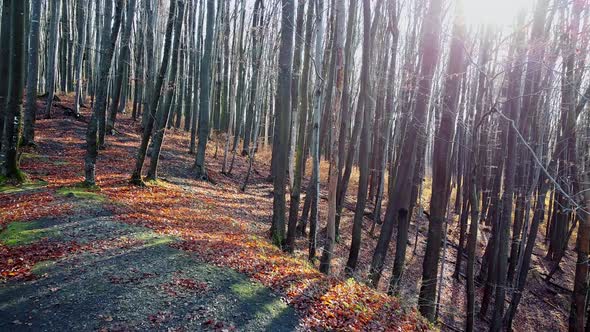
(294,165)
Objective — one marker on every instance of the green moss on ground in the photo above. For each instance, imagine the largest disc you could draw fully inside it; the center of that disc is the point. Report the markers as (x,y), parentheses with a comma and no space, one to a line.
(162,183)
(26,186)
(42,267)
(23,233)
(153,239)
(82,192)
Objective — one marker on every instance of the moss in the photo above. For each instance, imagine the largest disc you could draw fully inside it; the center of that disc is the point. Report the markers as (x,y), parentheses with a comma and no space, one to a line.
(42,267)
(278,240)
(15,178)
(251,292)
(83,191)
(87,186)
(27,155)
(245,289)
(23,233)
(158,183)
(153,239)
(275,308)
(25,186)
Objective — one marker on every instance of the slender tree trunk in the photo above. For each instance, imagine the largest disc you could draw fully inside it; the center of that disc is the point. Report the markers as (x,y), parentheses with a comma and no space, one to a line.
(4,65)
(441,169)
(304,114)
(33,75)
(336,106)
(364,149)
(164,112)
(512,108)
(9,168)
(196,85)
(314,186)
(472,240)
(256,39)
(82,21)
(109,39)
(204,94)
(123,66)
(153,104)
(283,121)
(51,57)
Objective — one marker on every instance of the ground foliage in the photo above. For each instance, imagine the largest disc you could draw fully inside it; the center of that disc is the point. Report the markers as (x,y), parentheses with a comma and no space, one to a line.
(217,222)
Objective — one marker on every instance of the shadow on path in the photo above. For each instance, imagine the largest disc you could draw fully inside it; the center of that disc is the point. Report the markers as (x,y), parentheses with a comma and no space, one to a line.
(129,278)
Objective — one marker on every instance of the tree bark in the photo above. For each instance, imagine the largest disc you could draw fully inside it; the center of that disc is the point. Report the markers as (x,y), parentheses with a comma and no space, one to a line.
(283,121)
(204,94)
(9,168)
(123,66)
(153,104)
(441,169)
(109,39)
(163,113)
(51,57)
(33,75)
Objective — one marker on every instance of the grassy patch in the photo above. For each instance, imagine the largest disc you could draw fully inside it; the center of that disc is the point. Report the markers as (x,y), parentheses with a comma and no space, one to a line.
(254,294)
(159,183)
(22,233)
(153,239)
(245,289)
(82,192)
(26,186)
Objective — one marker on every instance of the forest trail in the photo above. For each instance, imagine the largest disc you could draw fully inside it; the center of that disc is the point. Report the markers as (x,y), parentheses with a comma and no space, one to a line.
(124,277)
(84,269)
(178,254)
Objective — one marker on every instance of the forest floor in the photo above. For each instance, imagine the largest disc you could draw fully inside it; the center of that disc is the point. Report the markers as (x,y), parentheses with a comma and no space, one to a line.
(187,253)
(178,254)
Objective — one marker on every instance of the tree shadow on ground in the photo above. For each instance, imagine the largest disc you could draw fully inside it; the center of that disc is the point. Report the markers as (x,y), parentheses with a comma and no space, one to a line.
(129,278)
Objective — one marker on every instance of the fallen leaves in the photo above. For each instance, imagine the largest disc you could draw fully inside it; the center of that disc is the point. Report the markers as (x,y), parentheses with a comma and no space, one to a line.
(17,262)
(32,206)
(215,222)
(182,287)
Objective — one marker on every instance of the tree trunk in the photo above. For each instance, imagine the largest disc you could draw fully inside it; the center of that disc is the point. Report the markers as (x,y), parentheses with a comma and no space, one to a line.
(9,168)
(82,21)
(338,57)
(304,114)
(109,39)
(4,64)
(512,110)
(163,113)
(282,122)
(33,75)
(257,22)
(123,66)
(441,168)
(51,57)
(366,98)
(155,97)
(314,186)
(204,94)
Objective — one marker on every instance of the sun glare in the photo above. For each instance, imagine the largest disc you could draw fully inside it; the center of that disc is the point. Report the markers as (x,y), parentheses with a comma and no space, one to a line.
(501,13)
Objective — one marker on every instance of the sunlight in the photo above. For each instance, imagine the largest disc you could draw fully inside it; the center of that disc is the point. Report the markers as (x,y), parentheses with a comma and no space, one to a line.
(500,13)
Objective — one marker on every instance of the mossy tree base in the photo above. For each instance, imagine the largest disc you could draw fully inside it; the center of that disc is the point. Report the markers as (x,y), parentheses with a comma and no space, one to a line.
(15,178)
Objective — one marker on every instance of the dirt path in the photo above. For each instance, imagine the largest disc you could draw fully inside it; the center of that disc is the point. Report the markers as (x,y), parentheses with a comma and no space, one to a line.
(129,278)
